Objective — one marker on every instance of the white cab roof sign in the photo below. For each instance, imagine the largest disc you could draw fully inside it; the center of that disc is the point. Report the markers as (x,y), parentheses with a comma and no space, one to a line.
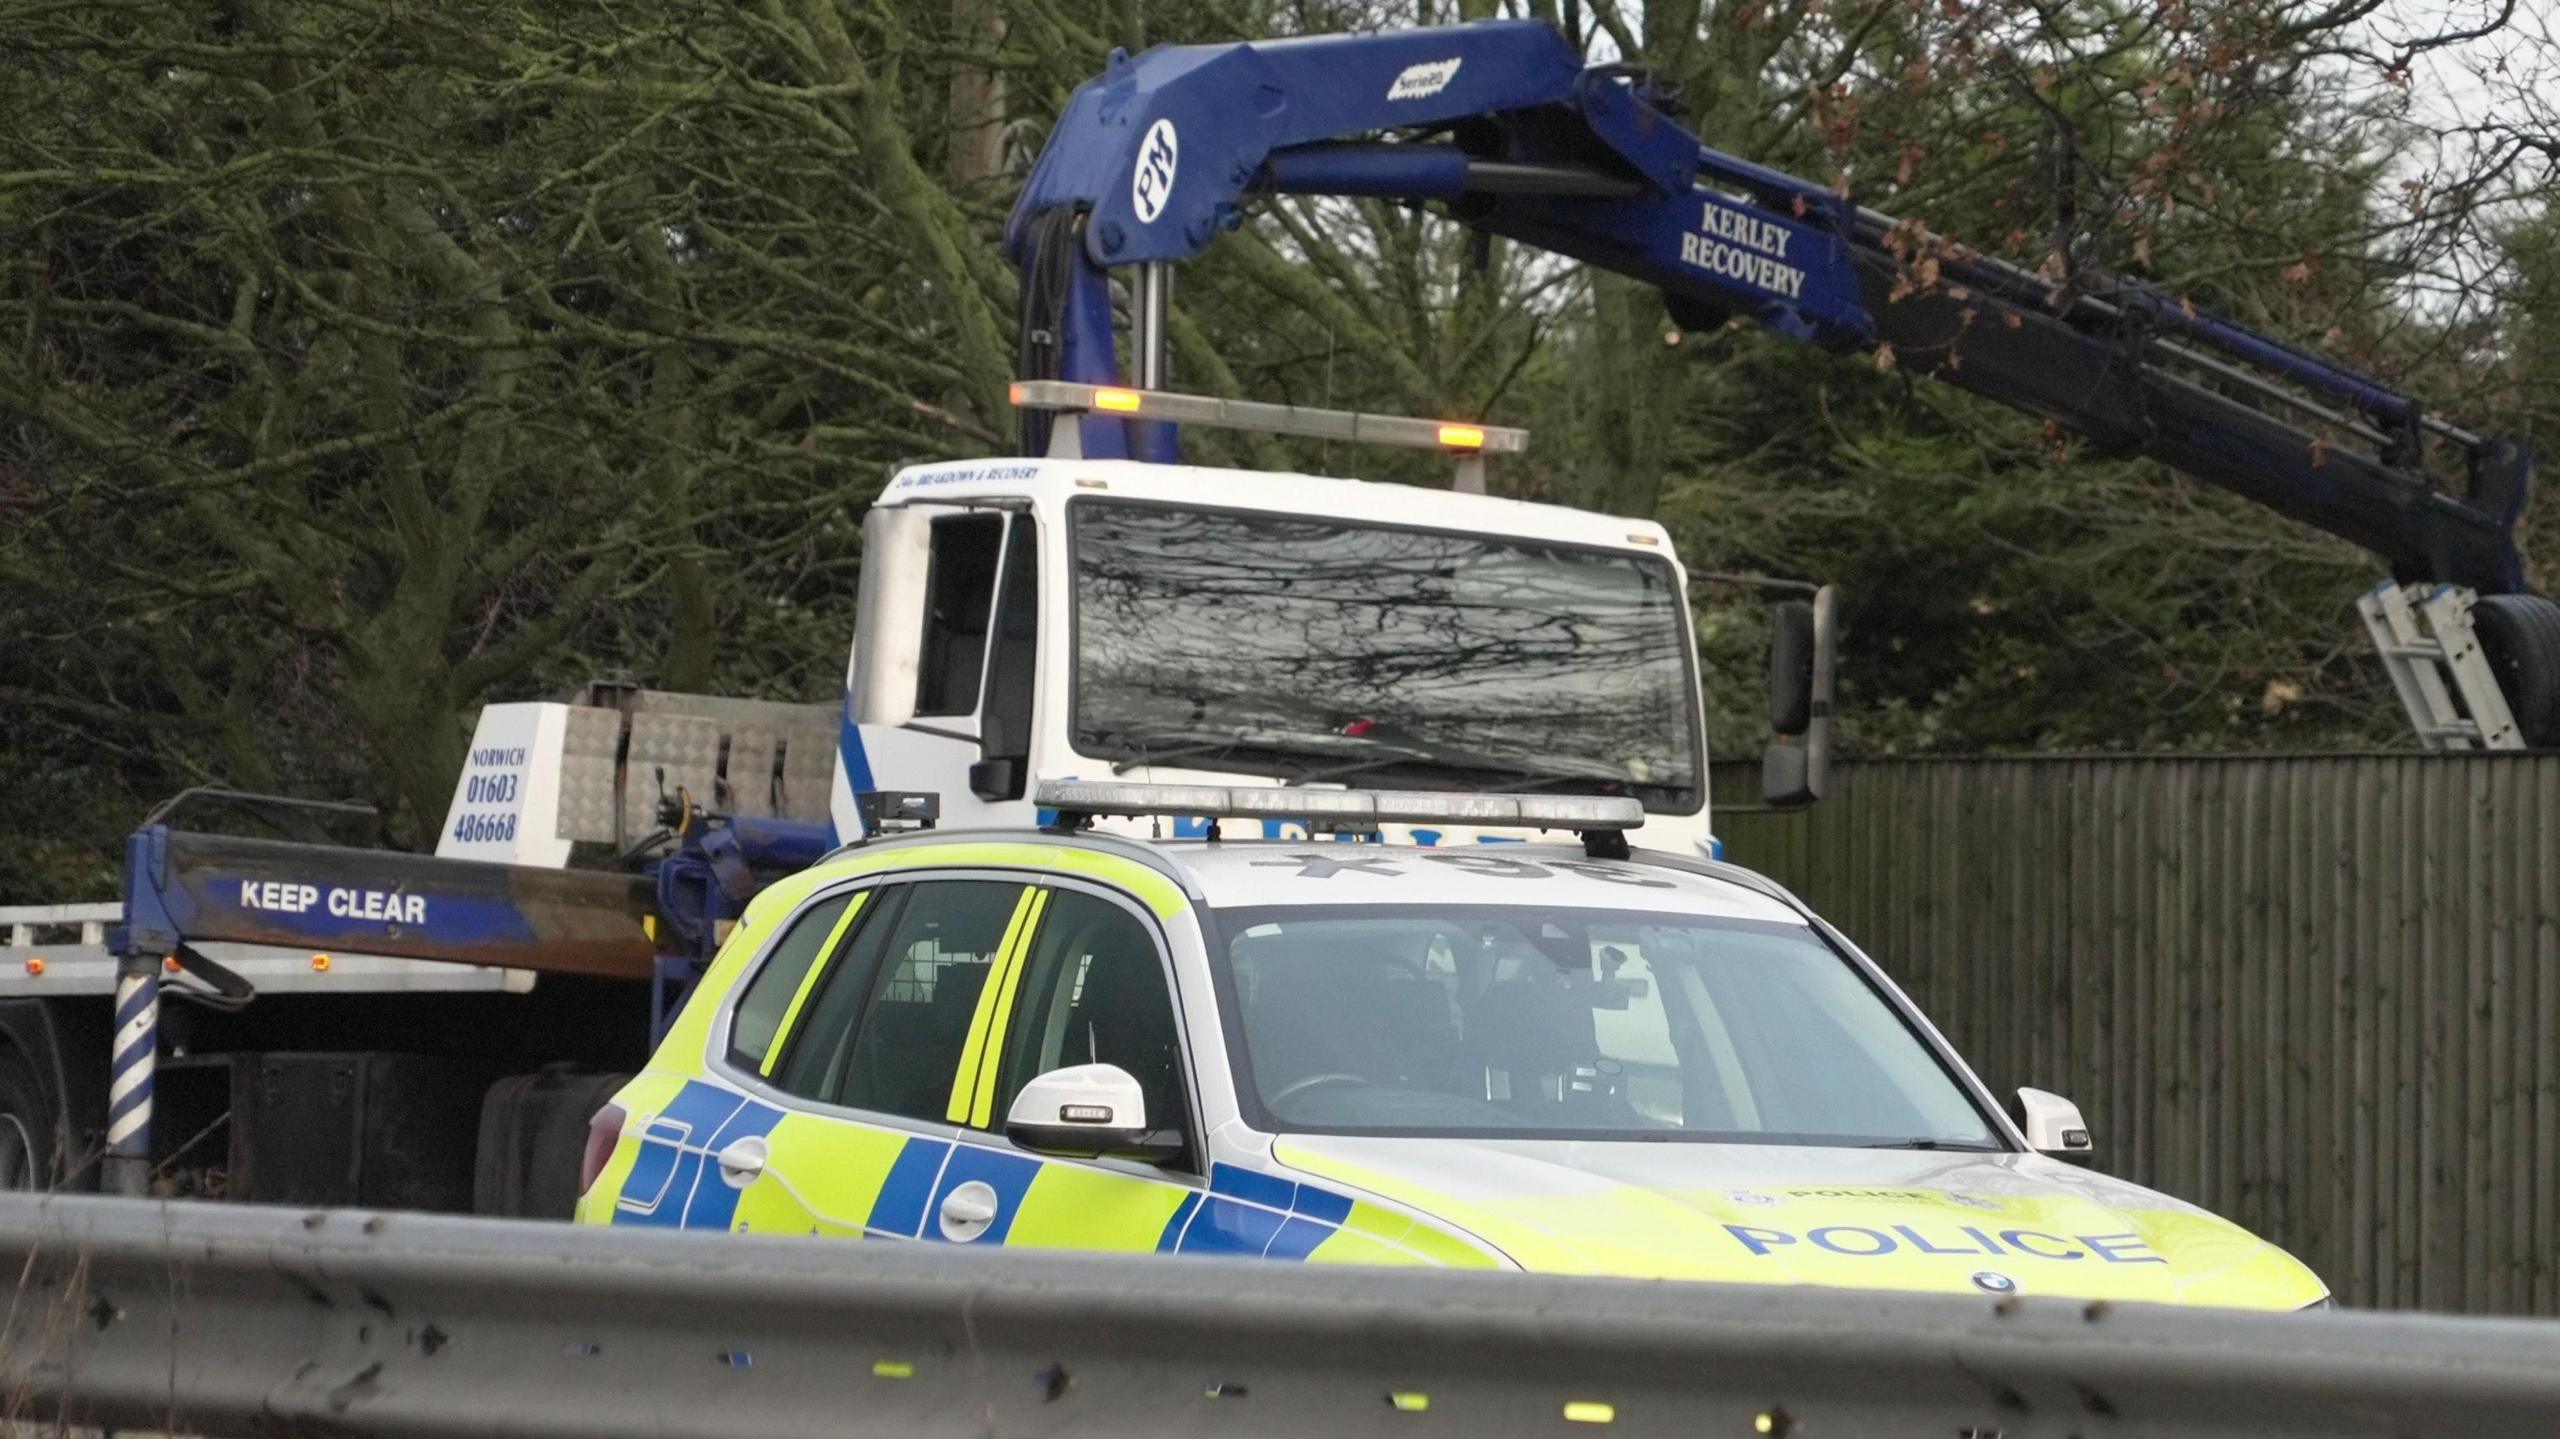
(1048,482)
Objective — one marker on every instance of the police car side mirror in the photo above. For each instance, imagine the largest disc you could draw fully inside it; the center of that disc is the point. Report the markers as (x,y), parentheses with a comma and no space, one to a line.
(1088,1111)
(2054,1127)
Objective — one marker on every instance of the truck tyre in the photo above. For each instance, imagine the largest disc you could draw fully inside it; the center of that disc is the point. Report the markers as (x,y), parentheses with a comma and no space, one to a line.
(533,1132)
(27,1129)
(2520,637)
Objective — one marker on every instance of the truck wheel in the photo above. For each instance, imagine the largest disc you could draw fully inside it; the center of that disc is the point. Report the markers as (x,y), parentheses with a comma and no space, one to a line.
(533,1133)
(26,1130)
(2520,636)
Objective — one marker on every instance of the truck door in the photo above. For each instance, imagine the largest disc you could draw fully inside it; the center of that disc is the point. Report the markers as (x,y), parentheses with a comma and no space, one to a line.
(945,663)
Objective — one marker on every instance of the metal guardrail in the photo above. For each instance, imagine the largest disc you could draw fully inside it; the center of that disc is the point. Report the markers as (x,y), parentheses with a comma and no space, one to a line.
(220,1320)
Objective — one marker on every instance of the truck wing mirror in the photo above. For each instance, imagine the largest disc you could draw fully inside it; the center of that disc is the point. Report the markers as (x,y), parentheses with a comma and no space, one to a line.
(1803,646)
(2054,1127)
(1088,1111)
(1785,780)
(888,650)
(997,778)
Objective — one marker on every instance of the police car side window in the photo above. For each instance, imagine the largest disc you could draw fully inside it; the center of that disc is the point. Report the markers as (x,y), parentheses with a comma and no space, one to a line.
(768,996)
(1094,992)
(916,992)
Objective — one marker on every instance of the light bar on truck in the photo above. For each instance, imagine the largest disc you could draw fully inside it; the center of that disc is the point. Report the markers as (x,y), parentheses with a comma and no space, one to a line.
(1342,807)
(1350,425)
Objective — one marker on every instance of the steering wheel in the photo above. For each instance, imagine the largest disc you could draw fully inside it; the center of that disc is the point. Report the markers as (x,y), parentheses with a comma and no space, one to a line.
(1296,1087)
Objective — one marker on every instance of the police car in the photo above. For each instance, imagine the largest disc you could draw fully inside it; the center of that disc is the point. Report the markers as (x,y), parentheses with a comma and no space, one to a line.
(1572,1058)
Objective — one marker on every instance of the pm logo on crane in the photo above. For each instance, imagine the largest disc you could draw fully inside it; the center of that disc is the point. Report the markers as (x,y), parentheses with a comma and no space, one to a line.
(1153,184)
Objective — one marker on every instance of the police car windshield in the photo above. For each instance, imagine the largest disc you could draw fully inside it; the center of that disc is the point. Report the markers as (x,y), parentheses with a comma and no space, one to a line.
(1306,648)
(1575,1023)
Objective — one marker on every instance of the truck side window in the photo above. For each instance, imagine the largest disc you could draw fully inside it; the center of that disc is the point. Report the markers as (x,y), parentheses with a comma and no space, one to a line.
(768,996)
(922,983)
(960,588)
(1010,672)
(1093,992)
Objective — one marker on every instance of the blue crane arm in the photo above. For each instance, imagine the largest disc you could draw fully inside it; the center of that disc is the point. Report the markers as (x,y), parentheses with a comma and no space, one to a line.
(1501,123)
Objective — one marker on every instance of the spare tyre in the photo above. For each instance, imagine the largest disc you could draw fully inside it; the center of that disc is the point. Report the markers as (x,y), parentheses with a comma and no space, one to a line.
(2520,637)
(533,1133)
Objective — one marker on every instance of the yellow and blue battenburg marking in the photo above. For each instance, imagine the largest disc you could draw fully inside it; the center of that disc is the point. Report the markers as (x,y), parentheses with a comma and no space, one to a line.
(925,1173)
(666,1186)
(1261,1215)
(674,1182)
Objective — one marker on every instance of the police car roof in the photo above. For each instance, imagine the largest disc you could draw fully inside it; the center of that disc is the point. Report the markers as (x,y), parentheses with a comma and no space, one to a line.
(1256,873)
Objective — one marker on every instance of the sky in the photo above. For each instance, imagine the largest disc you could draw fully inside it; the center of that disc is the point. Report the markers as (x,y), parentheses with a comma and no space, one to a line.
(2506,77)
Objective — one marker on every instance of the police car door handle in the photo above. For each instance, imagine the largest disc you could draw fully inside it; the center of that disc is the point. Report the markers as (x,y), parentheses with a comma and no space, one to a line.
(968,1211)
(742,1159)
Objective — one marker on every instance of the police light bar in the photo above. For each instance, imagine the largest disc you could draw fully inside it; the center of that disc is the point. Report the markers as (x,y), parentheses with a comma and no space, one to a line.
(1351,425)
(1340,808)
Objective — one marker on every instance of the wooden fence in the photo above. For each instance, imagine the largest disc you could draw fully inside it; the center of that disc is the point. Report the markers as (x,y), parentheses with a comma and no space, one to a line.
(2320,995)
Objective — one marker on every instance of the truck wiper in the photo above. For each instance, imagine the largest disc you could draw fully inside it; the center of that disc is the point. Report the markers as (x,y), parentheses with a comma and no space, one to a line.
(1196,748)
(1501,781)
(1966,1145)
(1474,771)
(1530,781)
(1386,761)
(1214,748)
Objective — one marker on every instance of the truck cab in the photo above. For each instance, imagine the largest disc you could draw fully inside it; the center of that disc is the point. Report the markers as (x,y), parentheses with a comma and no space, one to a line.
(1060,619)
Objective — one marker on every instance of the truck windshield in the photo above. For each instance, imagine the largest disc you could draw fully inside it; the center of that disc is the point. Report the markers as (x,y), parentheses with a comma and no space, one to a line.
(1502,1022)
(1316,649)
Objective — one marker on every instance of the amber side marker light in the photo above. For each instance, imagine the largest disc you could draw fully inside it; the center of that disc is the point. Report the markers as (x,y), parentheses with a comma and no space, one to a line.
(1462,437)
